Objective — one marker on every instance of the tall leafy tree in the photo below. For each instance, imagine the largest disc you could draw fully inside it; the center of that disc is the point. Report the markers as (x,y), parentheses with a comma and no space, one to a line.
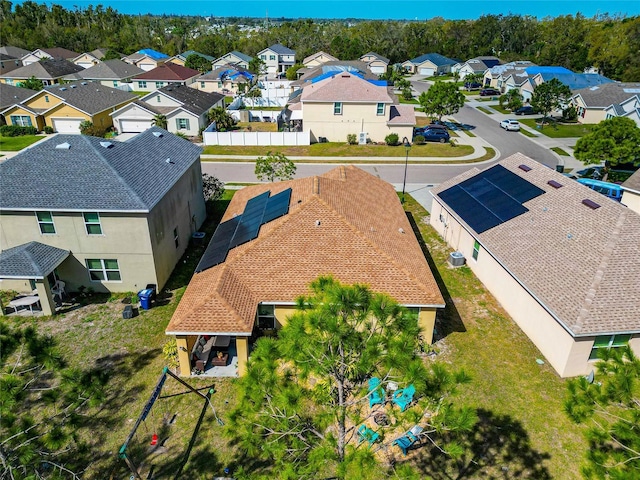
(44,407)
(611,408)
(550,96)
(442,98)
(32,83)
(305,393)
(275,166)
(198,62)
(611,142)
(512,99)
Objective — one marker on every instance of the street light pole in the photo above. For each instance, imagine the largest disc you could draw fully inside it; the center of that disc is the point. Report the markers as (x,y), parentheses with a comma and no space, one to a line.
(407,147)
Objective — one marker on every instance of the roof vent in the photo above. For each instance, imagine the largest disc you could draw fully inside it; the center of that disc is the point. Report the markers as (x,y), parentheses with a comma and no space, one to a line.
(63,146)
(106,144)
(83,83)
(157,134)
(73,86)
(317,223)
(554,184)
(401,230)
(524,167)
(590,203)
(63,89)
(169,161)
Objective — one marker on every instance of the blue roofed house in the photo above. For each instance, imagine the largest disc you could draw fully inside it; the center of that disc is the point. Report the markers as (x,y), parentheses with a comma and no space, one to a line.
(228,80)
(146,59)
(574,81)
(106,215)
(429,64)
(277,59)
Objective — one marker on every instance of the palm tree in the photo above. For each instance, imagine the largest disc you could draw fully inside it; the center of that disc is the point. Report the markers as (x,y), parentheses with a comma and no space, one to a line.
(160,120)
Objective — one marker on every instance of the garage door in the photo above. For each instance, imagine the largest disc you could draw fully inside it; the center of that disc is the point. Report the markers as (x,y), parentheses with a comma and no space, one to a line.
(427,71)
(134,126)
(67,125)
(85,64)
(378,70)
(147,66)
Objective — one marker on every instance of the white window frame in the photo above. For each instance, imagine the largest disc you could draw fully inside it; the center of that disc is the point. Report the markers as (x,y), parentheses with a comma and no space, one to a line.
(611,344)
(20,120)
(268,313)
(115,83)
(337,108)
(142,84)
(87,223)
(203,84)
(103,270)
(43,222)
(379,110)
(186,123)
(476,250)
(159,84)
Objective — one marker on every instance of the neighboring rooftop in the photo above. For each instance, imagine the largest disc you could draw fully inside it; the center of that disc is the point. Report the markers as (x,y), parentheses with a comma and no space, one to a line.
(345,87)
(346,223)
(47,69)
(608,93)
(111,70)
(80,173)
(281,49)
(434,58)
(320,54)
(168,72)
(90,97)
(185,55)
(580,263)
(191,99)
(374,54)
(10,95)
(633,183)
(14,52)
(32,260)
(149,52)
(59,52)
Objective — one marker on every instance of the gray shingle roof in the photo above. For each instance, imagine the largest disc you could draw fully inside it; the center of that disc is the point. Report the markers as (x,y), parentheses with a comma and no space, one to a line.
(128,176)
(15,52)
(192,100)
(607,93)
(10,95)
(48,69)
(242,56)
(90,97)
(281,49)
(581,264)
(30,260)
(633,182)
(59,52)
(379,57)
(111,70)
(434,58)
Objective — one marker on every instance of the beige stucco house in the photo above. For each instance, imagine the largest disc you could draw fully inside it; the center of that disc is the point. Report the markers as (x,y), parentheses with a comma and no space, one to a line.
(631,192)
(228,80)
(561,258)
(163,75)
(346,223)
(318,59)
(608,100)
(146,59)
(234,58)
(345,104)
(123,211)
(429,64)
(49,71)
(376,63)
(277,59)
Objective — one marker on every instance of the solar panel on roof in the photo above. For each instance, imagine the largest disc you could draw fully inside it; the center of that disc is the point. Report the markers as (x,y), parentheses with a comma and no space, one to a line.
(216,251)
(277,206)
(490,198)
(251,220)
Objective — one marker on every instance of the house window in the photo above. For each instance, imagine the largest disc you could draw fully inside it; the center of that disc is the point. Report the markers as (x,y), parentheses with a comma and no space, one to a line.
(266,317)
(607,342)
(158,99)
(92,223)
(9,81)
(182,123)
(272,57)
(21,120)
(46,98)
(176,237)
(263,57)
(45,221)
(380,109)
(219,84)
(159,84)
(202,84)
(142,84)
(103,270)
(476,249)
(115,83)
(337,108)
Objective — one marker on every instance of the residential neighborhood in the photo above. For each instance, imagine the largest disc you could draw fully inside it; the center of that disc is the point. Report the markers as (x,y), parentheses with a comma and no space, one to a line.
(229,251)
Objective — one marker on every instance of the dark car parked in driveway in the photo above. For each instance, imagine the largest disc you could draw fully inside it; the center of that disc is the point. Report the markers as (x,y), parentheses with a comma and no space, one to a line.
(526,110)
(488,92)
(435,135)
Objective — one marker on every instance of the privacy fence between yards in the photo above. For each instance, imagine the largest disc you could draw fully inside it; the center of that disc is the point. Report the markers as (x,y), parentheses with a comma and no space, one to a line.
(256,138)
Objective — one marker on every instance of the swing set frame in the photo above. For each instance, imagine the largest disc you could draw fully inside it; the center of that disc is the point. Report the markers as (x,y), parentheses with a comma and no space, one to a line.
(122,453)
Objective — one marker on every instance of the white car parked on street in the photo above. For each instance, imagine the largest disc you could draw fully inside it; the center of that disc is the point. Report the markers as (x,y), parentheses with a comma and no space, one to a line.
(510,125)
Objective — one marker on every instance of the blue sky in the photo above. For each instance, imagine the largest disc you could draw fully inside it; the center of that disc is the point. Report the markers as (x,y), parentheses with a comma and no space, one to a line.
(372,9)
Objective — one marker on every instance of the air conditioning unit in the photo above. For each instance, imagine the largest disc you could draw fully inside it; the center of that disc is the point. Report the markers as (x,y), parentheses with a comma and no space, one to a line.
(362,138)
(456,259)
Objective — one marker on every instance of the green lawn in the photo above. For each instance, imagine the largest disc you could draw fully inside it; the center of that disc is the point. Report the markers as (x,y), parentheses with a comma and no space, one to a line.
(527,133)
(485,110)
(334,149)
(14,144)
(559,130)
(413,101)
(560,151)
(523,432)
(500,109)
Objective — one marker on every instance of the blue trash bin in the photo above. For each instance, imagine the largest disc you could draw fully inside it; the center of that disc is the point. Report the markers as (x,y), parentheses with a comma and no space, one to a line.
(145,298)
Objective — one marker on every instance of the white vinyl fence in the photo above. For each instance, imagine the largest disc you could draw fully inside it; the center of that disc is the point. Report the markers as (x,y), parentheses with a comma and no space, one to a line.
(256,138)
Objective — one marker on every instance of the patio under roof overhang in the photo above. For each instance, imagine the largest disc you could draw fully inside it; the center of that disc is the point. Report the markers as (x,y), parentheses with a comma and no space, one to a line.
(33,261)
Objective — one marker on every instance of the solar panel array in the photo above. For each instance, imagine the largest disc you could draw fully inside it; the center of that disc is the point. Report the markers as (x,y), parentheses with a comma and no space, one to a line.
(490,198)
(243,228)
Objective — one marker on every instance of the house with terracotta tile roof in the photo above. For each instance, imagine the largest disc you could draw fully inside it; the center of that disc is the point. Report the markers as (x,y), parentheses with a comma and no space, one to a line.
(163,75)
(561,258)
(275,238)
(339,103)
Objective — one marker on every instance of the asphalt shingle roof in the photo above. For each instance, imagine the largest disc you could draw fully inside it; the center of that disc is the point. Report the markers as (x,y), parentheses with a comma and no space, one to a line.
(59,52)
(128,176)
(434,58)
(281,49)
(186,54)
(345,87)
(90,97)
(379,57)
(168,72)
(10,95)
(192,100)
(633,182)
(111,70)
(581,264)
(346,223)
(48,69)
(608,93)
(30,260)
(15,52)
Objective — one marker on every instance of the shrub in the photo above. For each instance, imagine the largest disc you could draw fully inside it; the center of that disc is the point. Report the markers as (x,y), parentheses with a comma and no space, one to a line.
(17,131)
(452,142)
(391,139)
(406,94)
(419,140)
(88,128)
(352,139)
(48,130)
(570,114)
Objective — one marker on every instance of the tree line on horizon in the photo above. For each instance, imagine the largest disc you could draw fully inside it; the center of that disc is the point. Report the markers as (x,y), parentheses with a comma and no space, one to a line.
(610,44)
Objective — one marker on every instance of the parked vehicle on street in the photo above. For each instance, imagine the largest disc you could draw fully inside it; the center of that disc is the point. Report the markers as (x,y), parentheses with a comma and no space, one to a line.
(526,110)
(435,135)
(472,85)
(610,190)
(510,125)
(488,92)
(422,130)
